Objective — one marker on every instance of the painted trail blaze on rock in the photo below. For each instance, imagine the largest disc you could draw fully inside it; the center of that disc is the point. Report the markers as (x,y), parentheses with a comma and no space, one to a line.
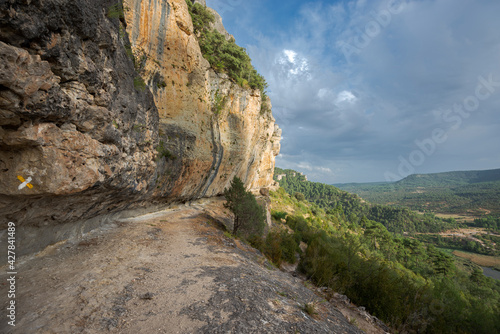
(105,122)
(24,183)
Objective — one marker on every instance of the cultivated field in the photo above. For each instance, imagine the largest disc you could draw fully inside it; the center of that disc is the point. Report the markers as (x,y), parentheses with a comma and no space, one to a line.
(482,260)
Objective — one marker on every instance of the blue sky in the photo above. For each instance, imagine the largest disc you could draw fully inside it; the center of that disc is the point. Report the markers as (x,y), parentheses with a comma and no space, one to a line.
(370,90)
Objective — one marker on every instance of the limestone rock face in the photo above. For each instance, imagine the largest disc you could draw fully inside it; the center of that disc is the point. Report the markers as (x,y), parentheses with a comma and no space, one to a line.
(72,120)
(213,128)
(105,109)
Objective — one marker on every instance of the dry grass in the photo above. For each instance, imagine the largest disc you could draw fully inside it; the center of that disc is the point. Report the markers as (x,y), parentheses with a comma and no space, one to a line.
(457,217)
(482,260)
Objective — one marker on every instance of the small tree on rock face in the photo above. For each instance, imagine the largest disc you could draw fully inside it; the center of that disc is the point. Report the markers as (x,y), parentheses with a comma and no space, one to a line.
(248,214)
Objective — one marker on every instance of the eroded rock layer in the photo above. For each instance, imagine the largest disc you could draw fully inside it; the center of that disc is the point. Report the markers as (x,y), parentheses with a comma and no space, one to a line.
(222,131)
(105,108)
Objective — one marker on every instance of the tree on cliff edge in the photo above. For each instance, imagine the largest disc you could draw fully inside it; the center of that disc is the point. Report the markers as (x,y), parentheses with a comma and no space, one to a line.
(248,214)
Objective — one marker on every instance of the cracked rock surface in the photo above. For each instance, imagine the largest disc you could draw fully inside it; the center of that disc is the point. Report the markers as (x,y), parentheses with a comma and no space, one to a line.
(169,272)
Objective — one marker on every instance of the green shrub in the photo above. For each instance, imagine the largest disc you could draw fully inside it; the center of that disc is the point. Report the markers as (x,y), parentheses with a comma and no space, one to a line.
(281,246)
(115,11)
(228,235)
(272,249)
(289,247)
(310,309)
(256,241)
(249,215)
(219,102)
(139,128)
(299,196)
(278,215)
(201,17)
(139,83)
(223,55)
(264,107)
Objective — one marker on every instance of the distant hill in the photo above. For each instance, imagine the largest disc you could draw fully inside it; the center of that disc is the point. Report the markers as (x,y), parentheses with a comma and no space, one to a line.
(353,208)
(450,178)
(473,192)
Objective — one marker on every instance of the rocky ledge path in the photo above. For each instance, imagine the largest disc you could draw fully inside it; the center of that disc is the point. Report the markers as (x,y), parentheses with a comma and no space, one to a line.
(169,272)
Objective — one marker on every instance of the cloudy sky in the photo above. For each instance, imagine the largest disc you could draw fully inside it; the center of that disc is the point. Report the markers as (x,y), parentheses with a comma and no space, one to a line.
(369,90)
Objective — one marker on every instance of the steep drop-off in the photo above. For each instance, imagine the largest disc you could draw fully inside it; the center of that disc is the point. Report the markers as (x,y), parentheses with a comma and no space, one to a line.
(77,121)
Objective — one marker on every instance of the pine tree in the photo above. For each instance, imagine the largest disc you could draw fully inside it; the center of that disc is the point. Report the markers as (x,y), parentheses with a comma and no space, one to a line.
(248,214)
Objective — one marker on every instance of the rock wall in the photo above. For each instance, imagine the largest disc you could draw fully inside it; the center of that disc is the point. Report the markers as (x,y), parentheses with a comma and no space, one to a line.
(78,122)
(212,125)
(71,119)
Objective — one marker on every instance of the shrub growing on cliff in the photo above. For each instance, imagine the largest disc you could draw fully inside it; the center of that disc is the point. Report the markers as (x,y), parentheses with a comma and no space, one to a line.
(248,214)
(224,55)
(201,17)
(163,152)
(116,11)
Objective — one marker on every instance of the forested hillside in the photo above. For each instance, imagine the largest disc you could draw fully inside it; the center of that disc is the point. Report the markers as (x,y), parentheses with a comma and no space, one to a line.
(469,192)
(395,219)
(413,286)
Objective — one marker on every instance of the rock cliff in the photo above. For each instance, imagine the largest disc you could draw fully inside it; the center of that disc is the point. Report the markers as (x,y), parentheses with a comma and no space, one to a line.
(105,108)
(213,125)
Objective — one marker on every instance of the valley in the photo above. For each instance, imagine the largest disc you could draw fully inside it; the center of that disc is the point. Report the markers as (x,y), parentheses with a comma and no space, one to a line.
(455,253)
(464,195)
(468,198)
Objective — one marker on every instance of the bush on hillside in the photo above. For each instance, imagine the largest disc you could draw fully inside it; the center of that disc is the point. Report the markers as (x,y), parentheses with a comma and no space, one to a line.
(281,246)
(249,217)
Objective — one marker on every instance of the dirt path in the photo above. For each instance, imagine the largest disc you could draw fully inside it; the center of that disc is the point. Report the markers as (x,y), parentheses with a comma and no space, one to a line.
(168,272)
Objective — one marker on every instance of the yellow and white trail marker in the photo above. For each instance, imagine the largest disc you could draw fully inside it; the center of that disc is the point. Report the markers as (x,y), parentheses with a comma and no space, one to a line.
(25,183)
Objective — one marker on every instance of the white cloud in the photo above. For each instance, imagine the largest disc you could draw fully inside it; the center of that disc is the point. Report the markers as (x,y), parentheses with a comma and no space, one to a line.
(346,96)
(305,165)
(290,55)
(293,64)
(367,112)
(324,169)
(323,92)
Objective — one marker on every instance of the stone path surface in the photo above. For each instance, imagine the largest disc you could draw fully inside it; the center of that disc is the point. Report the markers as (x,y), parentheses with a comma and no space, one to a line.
(169,272)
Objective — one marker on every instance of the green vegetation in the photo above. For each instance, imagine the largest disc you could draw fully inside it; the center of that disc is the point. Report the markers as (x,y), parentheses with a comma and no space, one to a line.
(452,192)
(264,107)
(278,215)
(248,214)
(299,196)
(490,222)
(219,103)
(139,128)
(163,152)
(139,83)
(279,246)
(223,55)
(116,11)
(352,209)
(411,285)
(481,260)
(310,309)
(459,243)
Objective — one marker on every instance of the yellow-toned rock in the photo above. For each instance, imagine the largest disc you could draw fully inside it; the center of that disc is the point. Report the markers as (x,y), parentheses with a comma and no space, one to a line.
(224,132)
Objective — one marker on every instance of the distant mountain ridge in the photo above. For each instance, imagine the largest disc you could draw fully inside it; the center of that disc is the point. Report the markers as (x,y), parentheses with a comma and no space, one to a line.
(451,178)
(448,178)
(468,192)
